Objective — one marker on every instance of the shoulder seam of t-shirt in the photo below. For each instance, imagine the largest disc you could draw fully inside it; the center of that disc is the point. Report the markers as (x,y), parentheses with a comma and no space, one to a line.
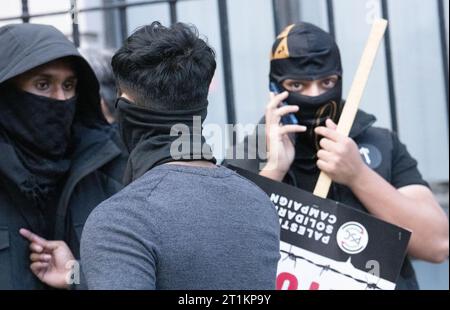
(158,242)
(157,184)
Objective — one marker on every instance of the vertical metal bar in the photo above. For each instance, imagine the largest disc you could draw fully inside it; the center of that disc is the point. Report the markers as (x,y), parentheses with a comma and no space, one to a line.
(390,70)
(276,17)
(76,34)
(74,16)
(330,16)
(123,22)
(444,50)
(285,12)
(25,11)
(173,11)
(227,67)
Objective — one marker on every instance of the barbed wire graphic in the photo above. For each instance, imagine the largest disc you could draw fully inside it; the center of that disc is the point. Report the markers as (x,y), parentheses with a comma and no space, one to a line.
(326,268)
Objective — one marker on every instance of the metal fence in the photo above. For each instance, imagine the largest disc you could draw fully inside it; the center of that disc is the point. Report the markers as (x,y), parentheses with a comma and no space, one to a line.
(284,13)
(121,6)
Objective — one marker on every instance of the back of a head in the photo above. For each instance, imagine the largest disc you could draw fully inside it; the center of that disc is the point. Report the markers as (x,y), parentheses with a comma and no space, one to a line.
(165,68)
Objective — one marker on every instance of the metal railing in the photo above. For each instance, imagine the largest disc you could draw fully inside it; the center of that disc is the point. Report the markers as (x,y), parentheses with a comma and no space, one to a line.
(122,6)
(279,23)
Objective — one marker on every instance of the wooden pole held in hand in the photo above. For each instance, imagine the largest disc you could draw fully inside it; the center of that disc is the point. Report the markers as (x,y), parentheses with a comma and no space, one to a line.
(356,92)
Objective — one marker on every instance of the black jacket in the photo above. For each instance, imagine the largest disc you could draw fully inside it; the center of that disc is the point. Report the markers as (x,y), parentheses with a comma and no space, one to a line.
(388,157)
(97,158)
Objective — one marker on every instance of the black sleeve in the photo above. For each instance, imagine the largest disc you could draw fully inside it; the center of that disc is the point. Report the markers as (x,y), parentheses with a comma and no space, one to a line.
(404,166)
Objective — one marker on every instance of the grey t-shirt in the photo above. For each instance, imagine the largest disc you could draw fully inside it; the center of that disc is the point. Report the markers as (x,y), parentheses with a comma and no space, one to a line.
(181,227)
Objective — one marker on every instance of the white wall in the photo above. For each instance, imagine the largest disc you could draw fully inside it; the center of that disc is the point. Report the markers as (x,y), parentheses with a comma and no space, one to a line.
(10,8)
(419,84)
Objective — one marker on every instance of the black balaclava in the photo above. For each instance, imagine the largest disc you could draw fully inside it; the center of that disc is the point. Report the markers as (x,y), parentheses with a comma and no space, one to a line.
(39,128)
(305,52)
(147,135)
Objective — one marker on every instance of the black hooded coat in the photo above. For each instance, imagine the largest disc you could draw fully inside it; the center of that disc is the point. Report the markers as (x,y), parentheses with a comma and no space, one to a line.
(96,156)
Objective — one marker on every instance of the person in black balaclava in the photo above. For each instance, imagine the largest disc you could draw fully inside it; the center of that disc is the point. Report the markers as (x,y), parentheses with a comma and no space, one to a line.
(307,63)
(59,157)
(371,170)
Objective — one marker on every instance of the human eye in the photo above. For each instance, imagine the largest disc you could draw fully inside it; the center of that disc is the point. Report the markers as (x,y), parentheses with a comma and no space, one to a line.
(69,85)
(329,83)
(296,86)
(42,85)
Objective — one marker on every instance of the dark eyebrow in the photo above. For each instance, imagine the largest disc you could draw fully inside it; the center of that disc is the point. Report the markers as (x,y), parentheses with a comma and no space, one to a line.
(49,76)
(299,81)
(43,76)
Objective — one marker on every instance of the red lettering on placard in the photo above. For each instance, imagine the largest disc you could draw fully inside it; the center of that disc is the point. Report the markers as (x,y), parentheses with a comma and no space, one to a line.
(292,282)
(314,286)
(285,276)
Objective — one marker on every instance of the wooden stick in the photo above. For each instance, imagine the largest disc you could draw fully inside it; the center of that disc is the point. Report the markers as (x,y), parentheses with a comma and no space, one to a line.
(356,92)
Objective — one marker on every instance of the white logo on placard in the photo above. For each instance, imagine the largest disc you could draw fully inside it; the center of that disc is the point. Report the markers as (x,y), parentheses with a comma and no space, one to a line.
(352,238)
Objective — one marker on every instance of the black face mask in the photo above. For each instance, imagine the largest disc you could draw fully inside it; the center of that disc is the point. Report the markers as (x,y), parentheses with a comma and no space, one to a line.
(39,129)
(305,52)
(314,111)
(147,135)
(39,122)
